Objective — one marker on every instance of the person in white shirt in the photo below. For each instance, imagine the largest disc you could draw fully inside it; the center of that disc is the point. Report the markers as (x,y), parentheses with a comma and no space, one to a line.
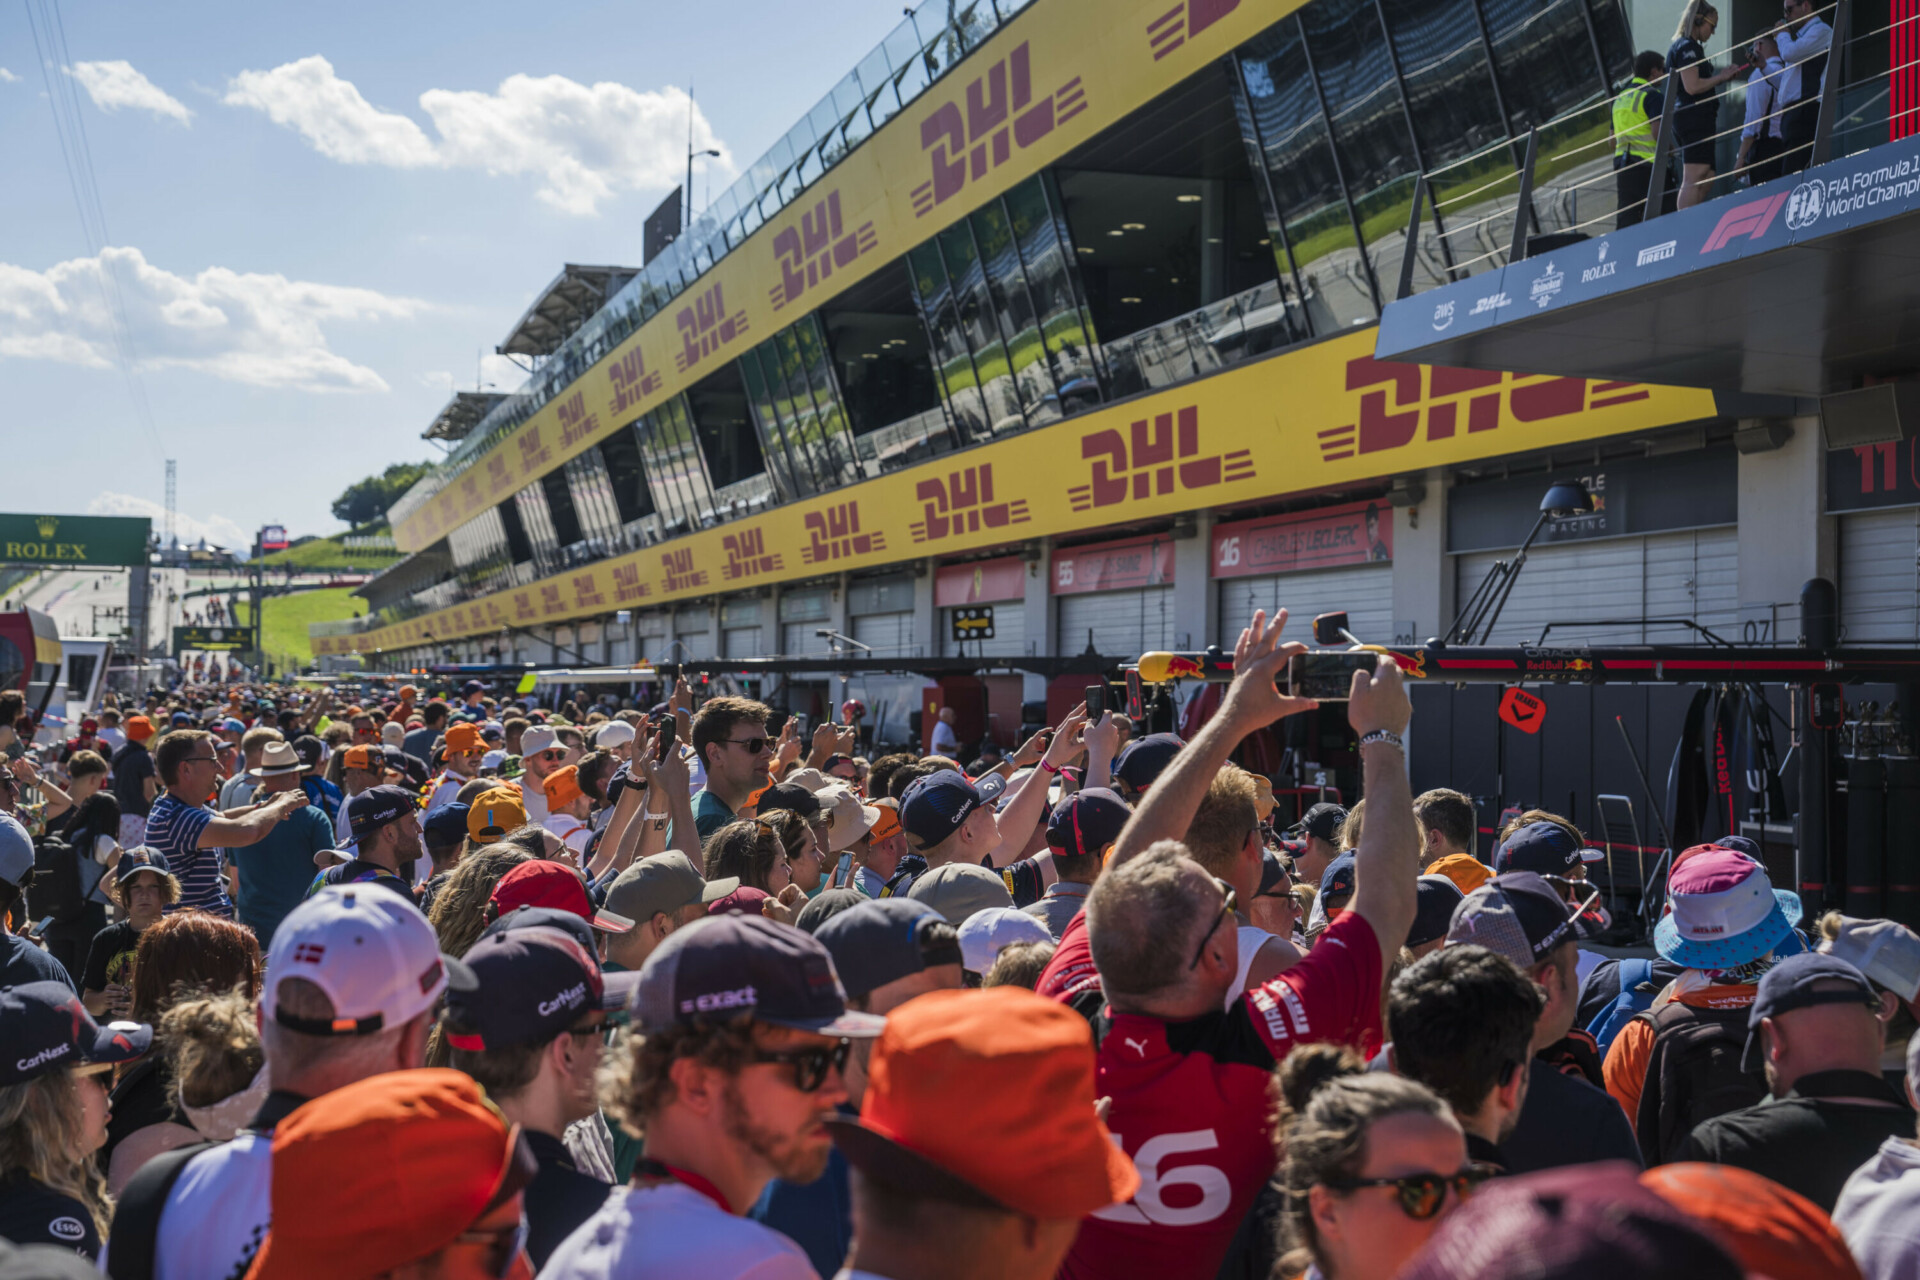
(540,754)
(464,752)
(567,808)
(1803,44)
(738,989)
(1879,1209)
(110,732)
(1761,138)
(945,741)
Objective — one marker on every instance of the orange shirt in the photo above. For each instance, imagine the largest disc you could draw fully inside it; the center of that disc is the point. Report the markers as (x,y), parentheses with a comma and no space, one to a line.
(1625,1069)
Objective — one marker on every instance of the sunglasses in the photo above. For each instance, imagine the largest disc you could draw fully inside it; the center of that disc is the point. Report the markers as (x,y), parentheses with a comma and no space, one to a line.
(1422,1194)
(503,1246)
(1229,904)
(810,1066)
(553,755)
(754,746)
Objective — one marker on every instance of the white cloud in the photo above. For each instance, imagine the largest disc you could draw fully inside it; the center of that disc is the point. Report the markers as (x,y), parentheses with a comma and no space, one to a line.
(261,330)
(7,77)
(497,373)
(216,529)
(585,143)
(113,85)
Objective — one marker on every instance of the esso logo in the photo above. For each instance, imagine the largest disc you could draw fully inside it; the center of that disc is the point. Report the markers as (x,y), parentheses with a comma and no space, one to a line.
(1229,552)
(1149,1205)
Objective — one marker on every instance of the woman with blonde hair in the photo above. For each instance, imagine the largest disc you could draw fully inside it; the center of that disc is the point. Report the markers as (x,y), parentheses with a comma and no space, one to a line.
(460,908)
(53,1115)
(1697,110)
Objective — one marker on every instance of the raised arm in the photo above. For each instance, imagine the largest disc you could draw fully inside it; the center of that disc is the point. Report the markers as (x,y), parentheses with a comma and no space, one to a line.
(234,833)
(1252,702)
(1387,859)
(1029,803)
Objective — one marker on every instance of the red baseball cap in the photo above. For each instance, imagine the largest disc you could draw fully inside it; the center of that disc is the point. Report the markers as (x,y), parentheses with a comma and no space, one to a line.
(541,883)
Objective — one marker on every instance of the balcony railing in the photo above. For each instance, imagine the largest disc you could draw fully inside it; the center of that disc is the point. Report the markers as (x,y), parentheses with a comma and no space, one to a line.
(921,49)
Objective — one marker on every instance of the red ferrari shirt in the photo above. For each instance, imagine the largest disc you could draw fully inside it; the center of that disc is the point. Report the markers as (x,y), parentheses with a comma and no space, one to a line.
(1190,1105)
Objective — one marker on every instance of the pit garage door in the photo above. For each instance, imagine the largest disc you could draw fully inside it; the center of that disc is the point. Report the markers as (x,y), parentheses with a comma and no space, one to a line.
(1666,575)
(1364,591)
(1880,576)
(1124,624)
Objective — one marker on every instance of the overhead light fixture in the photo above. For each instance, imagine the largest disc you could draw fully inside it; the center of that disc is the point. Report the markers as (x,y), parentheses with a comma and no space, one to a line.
(869,355)
(1116,233)
(1189,198)
(1263,241)
(1566,499)
(1133,226)
(1084,249)
(1213,240)
(1174,280)
(1129,299)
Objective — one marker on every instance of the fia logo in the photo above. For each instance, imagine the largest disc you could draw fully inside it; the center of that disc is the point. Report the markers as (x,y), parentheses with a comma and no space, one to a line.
(1805,205)
(1443,317)
(1546,285)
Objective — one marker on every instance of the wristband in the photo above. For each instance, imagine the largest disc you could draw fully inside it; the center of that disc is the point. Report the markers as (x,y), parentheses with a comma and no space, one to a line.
(1387,736)
(1048,767)
(656,817)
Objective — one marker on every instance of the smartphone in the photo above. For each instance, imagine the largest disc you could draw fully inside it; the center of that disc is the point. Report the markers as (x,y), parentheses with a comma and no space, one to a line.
(1326,674)
(669,733)
(843,873)
(1096,701)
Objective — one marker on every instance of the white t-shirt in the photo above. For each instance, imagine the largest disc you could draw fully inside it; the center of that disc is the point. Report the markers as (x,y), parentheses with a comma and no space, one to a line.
(945,741)
(218,1212)
(448,790)
(114,738)
(671,1232)
(571,830)
(534,797)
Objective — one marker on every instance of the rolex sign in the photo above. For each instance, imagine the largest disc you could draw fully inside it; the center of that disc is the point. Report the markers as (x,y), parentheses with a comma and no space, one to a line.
(81,541)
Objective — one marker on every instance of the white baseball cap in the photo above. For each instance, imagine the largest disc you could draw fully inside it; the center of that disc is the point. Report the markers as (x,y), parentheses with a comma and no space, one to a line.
(1886,951)
(535,740)
(16,852)
(614,733)
(374,956)
(984,933)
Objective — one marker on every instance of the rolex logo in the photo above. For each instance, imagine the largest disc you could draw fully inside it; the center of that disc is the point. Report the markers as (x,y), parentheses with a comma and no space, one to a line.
(46,525)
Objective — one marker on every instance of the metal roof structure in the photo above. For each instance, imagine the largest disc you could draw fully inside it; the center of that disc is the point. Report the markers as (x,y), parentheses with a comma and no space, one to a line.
(461,415)
(562,307)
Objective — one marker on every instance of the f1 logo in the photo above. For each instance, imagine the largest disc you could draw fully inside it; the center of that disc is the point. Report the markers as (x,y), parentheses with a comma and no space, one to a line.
(1750,219)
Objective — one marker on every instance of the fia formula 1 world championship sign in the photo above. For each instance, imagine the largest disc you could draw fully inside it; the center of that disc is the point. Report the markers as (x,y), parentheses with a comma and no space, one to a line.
(80,541)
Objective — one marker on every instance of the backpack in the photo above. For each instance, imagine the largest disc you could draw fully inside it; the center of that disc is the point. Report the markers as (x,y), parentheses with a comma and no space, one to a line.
(1693,1074)
(136,1215)
(60,884)
(1634,975)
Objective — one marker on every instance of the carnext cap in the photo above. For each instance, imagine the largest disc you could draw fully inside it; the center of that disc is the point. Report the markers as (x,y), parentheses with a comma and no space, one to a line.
(1796,983)
(1545,848)
(729,965)
(1322,822)
(1145,759)
(374,956)
(934,806)
(376,807)
(886,939)
(541,883)
(1086,822)
(47,1028)
(1433,912)
(662,885)
(526,986)
(1517,915)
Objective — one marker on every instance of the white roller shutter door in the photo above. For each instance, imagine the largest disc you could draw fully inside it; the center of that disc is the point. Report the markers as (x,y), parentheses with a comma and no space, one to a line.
(798,641)
(1009,633)
(742,642)
(890,634)
(1667,575)
(1880,576)
(1125,624)
(1364,591)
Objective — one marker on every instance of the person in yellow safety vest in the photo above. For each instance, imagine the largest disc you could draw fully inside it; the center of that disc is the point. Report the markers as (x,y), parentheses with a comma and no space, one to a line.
(465,747)
(1636,122)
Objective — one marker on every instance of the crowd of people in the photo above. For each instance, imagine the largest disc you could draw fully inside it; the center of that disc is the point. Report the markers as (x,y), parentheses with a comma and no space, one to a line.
(450,986)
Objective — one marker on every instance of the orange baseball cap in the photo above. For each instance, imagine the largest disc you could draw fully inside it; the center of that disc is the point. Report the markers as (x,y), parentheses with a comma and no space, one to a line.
(408,693)
(1770,1230)
(370,759)
(138,728)
(494,813)
(889,823)
(1463,869)
(562,786)
(937,1049)
(385,1172)
(464,737)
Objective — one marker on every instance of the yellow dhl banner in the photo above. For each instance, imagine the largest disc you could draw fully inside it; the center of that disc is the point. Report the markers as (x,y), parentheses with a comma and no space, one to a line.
(1047,82)
(1323,415)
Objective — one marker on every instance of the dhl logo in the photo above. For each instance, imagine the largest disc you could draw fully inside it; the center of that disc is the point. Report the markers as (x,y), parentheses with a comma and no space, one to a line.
(1184,21)
(577,423)
(1154,458)
(680,571)
(534,454)
(586,592)
(1001,114)
(627,585)
(706,326)
(632,382)
(1383,426)
(747,555)
(963,503)
(809,252)
(550,601)
(523,605)
(834,534)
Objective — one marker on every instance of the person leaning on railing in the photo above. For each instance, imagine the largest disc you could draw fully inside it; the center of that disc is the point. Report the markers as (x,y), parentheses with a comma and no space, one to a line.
(1804,42)
(1762,137)
(1636,120)
(1698,87)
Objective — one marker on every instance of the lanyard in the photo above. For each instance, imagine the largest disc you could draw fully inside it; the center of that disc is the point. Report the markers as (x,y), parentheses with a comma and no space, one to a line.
(649,1168)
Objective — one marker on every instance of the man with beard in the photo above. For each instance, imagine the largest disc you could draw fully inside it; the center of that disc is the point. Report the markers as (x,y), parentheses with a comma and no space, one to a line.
(741,1033)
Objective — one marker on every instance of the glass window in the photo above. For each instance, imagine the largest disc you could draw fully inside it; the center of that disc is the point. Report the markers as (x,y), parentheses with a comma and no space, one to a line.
(620,454)
(673,467)
(834,454)
(1298,156)
(1543,57)
(1059,317)
(592,494)
(1013,307)
(801,416)
(725,430)
(951,360)
(773,433)
(519,545)
(531,503)
(1449,82)
(978,329)
(566,521)
(1616,38)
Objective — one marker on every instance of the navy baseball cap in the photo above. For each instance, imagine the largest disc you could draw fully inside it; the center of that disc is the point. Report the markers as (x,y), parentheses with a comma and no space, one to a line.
(140,858)
(826,905)
(375,807)
(934,806)
(1436,897)
(472,686)
(1086,822)
(448,822)
(1145,759)
(1272,871)
(180,718)
(991,786)
(1517,915)
(526,985)
(886,939)
(1322,822)
(47,1028)
(1794,983)
(1544,848)
(570,922)
(790,796)
(728,965)
(1339,876)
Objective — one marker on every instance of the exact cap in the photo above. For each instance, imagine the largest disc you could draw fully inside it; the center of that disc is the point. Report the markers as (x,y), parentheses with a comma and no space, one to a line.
(373,955)
(411,1159)
(16,852)
(1795,983)
(959,889)
(729,965)
(926,1128)
(1143,760)
(933,807)
(46,1028)
(375,807)
(883,940)
(1886,951)
(985,933)
(1436,899)
(1087,822)
(1322,822)
(541,883)
(1517,915)
(1546,848)
(496,812)
(526,985)
(662,885)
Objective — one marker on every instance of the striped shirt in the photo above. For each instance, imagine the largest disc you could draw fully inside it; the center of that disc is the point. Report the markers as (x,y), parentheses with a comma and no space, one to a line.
(173,828)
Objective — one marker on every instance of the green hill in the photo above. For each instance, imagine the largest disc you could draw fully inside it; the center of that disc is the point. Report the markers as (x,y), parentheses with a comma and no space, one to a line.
(285,618)
(331,553)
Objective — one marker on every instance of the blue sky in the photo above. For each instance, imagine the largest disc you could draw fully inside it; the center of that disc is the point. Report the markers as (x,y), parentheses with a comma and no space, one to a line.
(319,217)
